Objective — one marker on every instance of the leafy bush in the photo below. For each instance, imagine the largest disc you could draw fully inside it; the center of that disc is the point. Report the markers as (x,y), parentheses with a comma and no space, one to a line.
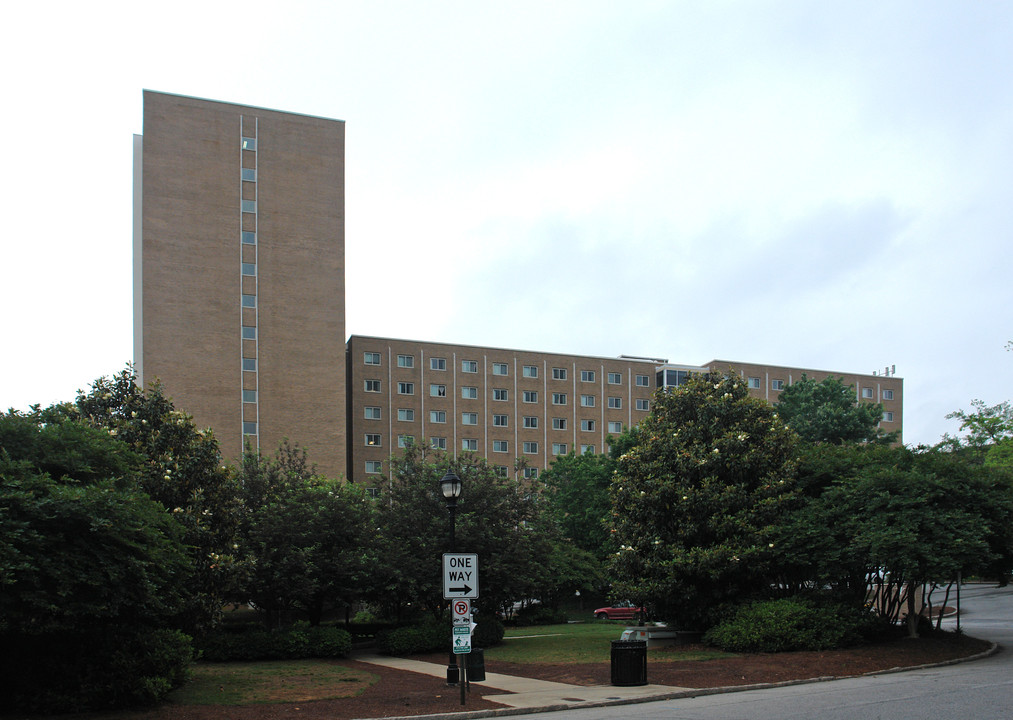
(62,672)
(791,624)
(255,643)
(488,633)
(539,615)
(428,636)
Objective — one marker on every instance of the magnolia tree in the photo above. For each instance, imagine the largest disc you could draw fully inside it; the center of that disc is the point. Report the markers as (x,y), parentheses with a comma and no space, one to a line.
(697,500)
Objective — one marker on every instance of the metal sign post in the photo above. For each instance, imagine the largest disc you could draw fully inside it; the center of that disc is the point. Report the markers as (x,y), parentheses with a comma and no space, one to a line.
(460,585)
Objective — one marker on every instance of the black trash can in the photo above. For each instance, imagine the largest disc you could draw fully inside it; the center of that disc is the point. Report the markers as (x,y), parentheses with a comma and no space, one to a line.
(476,665)
(629,662)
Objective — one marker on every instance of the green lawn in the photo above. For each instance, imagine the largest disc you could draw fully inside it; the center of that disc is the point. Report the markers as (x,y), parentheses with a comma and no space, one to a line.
(578,643)
(282,681)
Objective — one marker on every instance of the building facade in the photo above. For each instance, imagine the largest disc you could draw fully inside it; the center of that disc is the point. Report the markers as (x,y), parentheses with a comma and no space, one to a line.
(239,271)
(239,312)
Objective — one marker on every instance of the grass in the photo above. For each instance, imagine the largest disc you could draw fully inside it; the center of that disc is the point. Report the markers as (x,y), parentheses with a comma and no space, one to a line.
(282,681)
(579,643)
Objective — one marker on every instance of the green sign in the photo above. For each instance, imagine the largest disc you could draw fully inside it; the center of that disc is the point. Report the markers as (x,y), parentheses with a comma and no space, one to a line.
(461,640)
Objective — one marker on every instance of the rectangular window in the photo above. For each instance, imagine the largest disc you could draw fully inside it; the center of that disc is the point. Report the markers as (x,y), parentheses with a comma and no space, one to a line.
(437,390)
(777,384)
(502,471)
(469,366)
(499,446)
(249,332)
(249,396)
(374,466)
(249,143)
(250,364)
(249,301)
(615,378)
(438,416)
(248,174)
(530,447)
(372,413)
(249,428)
(615,428)
(249,206)
(753,383)
(559,448)
(249,269)
(615,403)
(469,393)
(405,415)
(888,394)
(406,388)
(248,237)
(530,422)
(559,398)
(529,371)
(643,381)
(587,400)
(500,420)
(469,444)
(867,393)
(469,418)
(406,361)
(559,423)
(437,363)
(587,449)
(373,492)
(438,443)
(559,373)
(888,416)
(643,404)
(372,386)
(587,375)
(373,439)
(500,394)
(371,358)
(587,425)
(530,473)
(499,368)
(530,396)
(404,441)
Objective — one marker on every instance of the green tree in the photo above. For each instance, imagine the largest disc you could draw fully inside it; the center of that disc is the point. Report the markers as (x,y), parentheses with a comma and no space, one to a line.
(92,571)
(697,500)
(499,518)
(984,426)
(183,470)
(829,411)
(577,491)
(309,538)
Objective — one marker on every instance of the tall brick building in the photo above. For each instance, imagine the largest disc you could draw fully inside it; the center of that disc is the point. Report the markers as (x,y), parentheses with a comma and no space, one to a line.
(239,297)
(239,311)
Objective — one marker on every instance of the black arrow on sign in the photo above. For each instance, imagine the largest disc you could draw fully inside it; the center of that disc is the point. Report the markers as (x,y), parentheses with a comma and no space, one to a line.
(461,590)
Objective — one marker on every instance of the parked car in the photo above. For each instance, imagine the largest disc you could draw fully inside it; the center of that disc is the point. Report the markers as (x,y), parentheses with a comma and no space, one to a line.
(620,611)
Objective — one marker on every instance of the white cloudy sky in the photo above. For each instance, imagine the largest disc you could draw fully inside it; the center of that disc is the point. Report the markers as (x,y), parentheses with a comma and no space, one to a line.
(802,183)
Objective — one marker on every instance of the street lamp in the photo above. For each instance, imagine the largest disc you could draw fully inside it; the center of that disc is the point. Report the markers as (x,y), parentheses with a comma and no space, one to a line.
(450,486)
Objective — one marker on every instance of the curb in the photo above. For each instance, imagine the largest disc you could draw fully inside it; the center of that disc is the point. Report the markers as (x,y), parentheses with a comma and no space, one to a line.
(698,692)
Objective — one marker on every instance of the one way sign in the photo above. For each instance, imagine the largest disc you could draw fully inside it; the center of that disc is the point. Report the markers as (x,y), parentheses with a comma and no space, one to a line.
(460,575)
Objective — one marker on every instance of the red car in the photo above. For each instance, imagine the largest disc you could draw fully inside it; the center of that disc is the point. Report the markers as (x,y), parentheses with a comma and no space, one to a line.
(620,611)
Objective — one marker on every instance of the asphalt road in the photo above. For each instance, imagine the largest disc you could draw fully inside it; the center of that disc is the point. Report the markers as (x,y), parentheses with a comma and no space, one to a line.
(981,690)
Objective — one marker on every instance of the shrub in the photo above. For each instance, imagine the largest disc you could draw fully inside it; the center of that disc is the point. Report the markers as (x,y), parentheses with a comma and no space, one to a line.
(62,672)
(255,643)
(540,615)
(488,633)
(791,624)
(428,636)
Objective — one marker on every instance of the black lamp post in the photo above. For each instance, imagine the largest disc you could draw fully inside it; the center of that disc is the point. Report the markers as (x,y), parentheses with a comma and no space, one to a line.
(450,486)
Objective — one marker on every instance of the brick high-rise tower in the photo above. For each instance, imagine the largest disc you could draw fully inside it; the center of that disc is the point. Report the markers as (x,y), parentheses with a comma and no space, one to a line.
(239,305)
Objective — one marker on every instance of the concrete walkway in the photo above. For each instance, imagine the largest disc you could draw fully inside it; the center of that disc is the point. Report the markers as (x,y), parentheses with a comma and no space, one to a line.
(528,693)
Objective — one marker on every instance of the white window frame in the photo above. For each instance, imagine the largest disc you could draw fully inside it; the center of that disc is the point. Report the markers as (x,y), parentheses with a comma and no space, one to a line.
(531,422)
(558,373)
(469,366)
(643,404)
(615,427)
(558,423)
(500,394)
(587,425)
(369,356)
(587,401)
(587,375)
(615,403)
(500,369)
(437,363)
(615,378)
(559,398)
(643,381)
(469,393)
(437,416)
(559,449)
(406,361)
(406,388)
(373,412)
(501,446)
(437,443)
(469,418)
(372,386)
(437,390)
(405,415)
(374,436)
(530,396)
(500,420)
(469,444)
(529,371)
(374,467)
(530,447)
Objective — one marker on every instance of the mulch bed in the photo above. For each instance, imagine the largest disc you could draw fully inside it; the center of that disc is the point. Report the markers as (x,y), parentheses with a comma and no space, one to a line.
(406,693)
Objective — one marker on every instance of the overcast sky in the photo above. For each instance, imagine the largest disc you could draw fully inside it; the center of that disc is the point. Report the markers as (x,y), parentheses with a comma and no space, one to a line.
(825,185)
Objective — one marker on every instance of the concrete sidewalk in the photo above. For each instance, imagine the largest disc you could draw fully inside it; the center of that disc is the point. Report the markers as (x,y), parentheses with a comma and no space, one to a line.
(528,693)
